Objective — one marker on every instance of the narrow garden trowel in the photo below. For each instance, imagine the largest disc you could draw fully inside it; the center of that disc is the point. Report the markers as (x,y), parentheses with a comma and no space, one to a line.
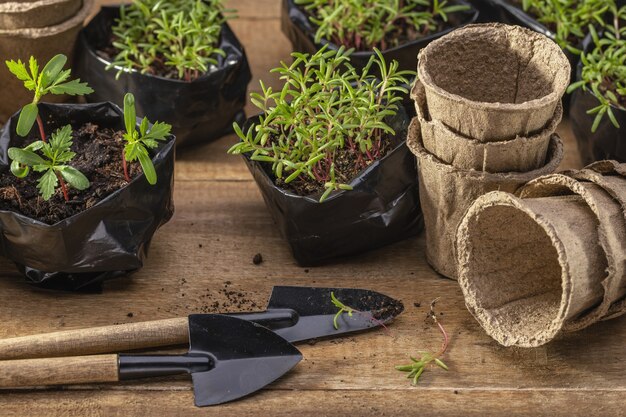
(295,313)
(228,358)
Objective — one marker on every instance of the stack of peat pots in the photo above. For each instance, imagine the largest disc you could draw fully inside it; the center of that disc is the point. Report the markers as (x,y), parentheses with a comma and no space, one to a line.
(488,101)
(551,259)
(41,28)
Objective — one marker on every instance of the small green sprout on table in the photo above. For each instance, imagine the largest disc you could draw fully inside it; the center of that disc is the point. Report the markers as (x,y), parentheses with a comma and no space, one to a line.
(138,142)
(53,162)
(417,366)
(51,80)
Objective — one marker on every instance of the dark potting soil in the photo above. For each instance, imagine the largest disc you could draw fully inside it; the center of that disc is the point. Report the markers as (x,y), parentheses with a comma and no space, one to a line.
(348,165)
(98,157)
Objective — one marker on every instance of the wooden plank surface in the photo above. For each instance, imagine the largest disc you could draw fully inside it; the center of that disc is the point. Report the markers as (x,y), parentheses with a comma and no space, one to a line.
(207,249)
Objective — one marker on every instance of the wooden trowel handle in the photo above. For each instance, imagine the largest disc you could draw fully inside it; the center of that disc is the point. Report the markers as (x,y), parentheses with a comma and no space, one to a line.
(58,371)
(106,339)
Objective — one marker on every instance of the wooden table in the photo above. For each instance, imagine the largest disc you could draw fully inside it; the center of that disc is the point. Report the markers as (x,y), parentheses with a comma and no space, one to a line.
(221,223)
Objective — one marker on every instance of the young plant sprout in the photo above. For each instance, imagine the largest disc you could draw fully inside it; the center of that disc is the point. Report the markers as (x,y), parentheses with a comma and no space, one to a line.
(171,38)
(138,142)
(342,309)
(604,70)
(367,24)
(52,79)
(327,123)
(417,366)
(53,162)
(568,19)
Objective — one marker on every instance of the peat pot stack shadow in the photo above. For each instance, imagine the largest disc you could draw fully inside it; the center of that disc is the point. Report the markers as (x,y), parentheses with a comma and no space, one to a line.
(41,28)
(486,123)
(551,259)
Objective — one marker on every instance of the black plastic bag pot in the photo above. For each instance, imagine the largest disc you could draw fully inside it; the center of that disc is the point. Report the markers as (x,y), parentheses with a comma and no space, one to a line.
(382,208)
(199,111)
(296,25)
(487,11)
(105,241)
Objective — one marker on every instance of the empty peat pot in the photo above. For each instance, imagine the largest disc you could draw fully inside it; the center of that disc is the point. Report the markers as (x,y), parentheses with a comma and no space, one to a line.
(42,43)
(529,266)
(36,14)
(106,240)
(446,192)
(505,81)
(199,111)
(520,154)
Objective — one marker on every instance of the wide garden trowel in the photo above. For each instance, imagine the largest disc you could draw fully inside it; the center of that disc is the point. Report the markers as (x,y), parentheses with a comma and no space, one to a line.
(295,313)
(228,358)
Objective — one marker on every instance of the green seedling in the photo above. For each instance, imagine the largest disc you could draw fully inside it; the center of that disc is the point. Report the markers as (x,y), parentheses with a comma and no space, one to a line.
(342,309)
(568,19)
(417,366)
(179,37)
(138,142)
(604,70)
(325,109)
(51,80)
(53,163)
(368,24)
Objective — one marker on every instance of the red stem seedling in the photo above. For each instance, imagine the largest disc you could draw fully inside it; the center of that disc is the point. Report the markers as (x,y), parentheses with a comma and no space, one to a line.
(350,310)
(417,367)
(42,132)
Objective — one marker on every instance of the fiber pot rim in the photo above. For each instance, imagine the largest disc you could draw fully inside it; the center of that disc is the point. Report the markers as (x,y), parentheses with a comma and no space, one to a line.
(36,33)
(555,155)
(91,50)
(165,147)
(499,198)
(546,100)
(27,6)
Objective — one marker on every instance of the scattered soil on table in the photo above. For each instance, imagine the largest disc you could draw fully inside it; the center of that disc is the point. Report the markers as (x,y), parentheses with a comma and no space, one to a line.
(98,157)
(257,259)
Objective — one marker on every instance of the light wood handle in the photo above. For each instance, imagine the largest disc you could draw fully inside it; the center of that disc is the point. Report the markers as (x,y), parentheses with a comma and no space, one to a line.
(106,339)
(58,371)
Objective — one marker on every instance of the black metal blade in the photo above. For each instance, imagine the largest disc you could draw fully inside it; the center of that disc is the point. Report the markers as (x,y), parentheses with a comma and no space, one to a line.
(245,357)
(316,311)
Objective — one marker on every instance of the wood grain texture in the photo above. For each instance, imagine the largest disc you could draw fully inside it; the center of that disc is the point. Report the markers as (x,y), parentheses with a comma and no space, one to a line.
(205,253)
(58,371)
(105,339)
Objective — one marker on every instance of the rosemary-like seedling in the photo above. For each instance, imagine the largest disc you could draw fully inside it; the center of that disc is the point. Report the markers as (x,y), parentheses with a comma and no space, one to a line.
(382,24)
(51,80)
(171,38)
(138,142)
(604,70)
(53,162)
(342,309)
(417,366)
(325,112)
(568,19)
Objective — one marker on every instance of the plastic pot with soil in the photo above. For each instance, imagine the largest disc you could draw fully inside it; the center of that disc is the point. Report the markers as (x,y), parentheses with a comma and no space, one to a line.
(339,186)
(400,42)
(199,93)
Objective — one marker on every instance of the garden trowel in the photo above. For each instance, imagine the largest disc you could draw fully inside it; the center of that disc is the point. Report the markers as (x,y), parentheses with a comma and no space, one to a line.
(297,314)
(228,358)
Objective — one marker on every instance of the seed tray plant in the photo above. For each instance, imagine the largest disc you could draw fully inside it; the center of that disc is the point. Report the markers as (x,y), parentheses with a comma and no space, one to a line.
(604,70)
(382,24)
(175,38)
(326,124)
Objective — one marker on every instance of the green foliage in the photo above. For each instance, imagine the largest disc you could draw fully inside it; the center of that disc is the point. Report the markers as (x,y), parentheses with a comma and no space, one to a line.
(325,110)
(53,162)
(368,24)
(138,142)
(179,36)
(52,79)
(342,309)
(569,19)
(604,70)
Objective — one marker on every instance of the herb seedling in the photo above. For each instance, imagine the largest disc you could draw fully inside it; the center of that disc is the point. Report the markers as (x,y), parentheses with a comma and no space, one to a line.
(604,70)
(138,142)
(368,24)
(568,19)
(417,366)
(56,155)
(173,38)
(327,123)
(52,79)
(342,309)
